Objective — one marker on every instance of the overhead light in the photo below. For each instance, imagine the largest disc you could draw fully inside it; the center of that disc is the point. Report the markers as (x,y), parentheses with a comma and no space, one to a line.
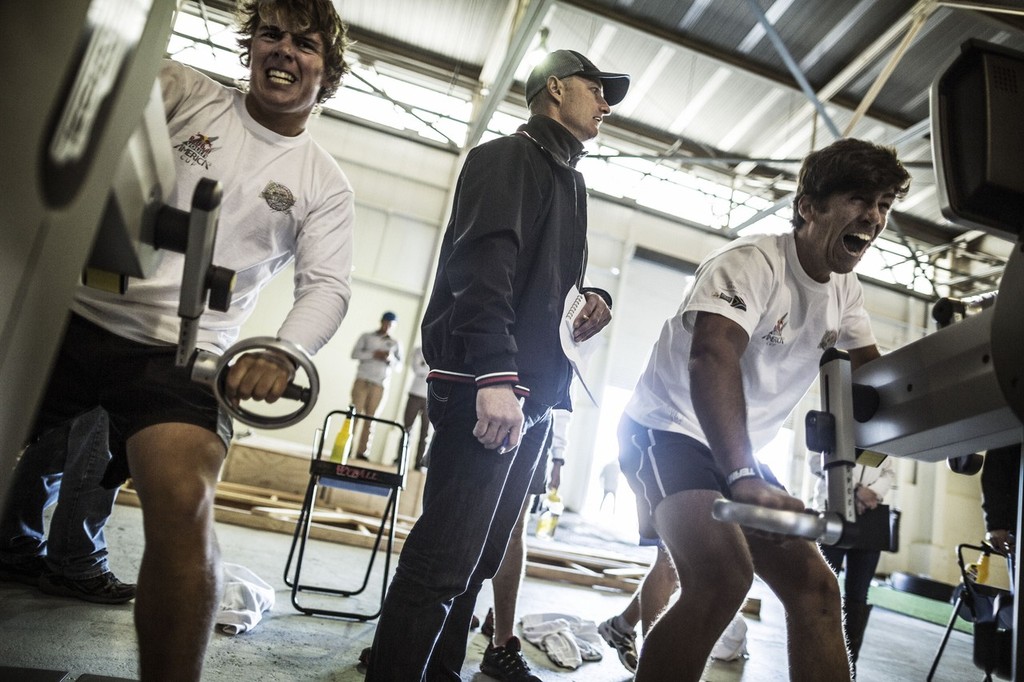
(540,50)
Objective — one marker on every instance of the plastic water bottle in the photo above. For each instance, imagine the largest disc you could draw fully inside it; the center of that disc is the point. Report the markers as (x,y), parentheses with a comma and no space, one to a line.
(548,521)
(343,442)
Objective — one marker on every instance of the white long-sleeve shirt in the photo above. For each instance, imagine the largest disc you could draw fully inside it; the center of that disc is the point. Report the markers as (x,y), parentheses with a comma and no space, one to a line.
(371,368)
(284,198)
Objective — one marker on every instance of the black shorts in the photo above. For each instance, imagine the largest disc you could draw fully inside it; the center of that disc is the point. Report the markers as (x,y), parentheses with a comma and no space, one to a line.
(660,463)
(539,484)
(137,384)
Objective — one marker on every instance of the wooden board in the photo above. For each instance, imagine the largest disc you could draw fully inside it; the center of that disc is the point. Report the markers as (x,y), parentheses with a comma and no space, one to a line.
(277,511)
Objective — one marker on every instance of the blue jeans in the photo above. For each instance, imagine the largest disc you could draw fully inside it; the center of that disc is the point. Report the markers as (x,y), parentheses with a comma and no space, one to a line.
(77,454)
(471,501)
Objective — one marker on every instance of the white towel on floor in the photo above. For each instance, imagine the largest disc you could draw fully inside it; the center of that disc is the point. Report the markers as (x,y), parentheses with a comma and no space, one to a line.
(246,597)
(567,640)
(732,645)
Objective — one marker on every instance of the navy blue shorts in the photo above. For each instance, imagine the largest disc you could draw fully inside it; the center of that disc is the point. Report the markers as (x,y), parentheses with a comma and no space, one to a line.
(137,384)
(660,463)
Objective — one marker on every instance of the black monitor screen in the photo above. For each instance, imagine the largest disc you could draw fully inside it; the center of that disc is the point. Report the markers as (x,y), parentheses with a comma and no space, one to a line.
(977,111)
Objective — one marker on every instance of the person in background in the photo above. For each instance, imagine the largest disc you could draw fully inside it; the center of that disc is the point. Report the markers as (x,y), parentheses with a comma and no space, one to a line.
(610,474)
(722,378)
(71,558)
(514,252)
(1000,478)
(871,485)
(416,405)
(378,353)
(284,199)
(648,602)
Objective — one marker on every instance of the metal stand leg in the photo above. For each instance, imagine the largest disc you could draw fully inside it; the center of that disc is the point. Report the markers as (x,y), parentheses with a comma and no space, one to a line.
(945,637)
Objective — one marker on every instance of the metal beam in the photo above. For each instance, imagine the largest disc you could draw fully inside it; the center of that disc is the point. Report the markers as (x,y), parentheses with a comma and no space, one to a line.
(889,68)
(983,6)
(527,25)
(794,69)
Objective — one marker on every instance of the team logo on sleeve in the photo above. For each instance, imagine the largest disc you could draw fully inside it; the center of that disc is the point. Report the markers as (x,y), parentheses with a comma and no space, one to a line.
(774,337)
(828,339)
(278,197)
(196,150)
(733,300)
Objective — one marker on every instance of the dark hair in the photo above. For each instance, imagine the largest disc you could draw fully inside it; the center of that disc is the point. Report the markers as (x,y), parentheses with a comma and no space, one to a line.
(316,15)
(847,165)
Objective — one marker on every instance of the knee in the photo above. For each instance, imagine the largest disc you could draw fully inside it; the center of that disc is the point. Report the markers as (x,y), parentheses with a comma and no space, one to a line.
(812,586)
(182,501)
(721,585)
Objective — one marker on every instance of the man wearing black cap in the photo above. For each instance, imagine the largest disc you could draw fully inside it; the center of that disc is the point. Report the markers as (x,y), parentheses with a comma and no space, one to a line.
(377,352)
(514,248)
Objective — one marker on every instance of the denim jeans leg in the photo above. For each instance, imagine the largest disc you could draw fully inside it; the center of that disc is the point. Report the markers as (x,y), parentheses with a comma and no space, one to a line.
(77,545)
(450,651)
(461,494)
(34,485)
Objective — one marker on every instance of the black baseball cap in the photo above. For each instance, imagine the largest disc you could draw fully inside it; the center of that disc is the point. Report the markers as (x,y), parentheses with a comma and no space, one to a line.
(565,63)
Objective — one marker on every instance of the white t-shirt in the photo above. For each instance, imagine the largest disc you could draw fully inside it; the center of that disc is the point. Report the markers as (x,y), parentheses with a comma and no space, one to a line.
(791,320)
(283,198)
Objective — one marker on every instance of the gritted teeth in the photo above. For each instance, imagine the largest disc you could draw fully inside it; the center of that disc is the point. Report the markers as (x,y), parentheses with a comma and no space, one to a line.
(278,75)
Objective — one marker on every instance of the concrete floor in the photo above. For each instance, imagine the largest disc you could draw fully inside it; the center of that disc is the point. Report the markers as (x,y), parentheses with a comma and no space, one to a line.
(39,631)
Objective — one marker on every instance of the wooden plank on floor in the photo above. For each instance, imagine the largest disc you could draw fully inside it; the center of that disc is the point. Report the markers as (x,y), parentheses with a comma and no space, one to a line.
(561,573)
(269,510)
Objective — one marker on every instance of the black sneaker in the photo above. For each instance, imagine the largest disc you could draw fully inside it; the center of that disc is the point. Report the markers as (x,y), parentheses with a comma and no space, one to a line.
(624,644)
(26,573)
(103,589)
(506,663)
(487,629)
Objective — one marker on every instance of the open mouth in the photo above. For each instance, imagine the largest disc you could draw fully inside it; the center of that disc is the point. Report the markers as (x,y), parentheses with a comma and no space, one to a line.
(856,243)
(278,76)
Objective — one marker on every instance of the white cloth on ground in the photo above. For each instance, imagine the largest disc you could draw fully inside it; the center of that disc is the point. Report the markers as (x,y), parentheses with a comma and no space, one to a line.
(567,640)
(246,598)
(732,644)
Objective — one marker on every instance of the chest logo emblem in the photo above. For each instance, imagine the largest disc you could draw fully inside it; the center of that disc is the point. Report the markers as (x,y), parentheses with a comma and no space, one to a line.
(278,197)
(196,150)
(774,337)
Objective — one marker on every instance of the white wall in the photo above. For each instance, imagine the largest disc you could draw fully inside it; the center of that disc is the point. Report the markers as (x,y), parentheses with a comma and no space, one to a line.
(402,196)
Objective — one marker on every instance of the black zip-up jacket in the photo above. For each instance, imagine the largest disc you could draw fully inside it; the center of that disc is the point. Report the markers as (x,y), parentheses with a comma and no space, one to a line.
(515,245)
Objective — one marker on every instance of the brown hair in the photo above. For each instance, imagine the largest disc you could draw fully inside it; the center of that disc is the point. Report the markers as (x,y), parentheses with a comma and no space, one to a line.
(846,165)
(315,15)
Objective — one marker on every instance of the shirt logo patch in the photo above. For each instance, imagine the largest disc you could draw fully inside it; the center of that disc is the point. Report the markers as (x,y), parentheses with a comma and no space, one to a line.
(733,300)
(196,150)
(828,339)
(774,337)
(278,197)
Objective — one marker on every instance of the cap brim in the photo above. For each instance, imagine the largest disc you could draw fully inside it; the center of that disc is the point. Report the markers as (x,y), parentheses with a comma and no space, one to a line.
(615,86)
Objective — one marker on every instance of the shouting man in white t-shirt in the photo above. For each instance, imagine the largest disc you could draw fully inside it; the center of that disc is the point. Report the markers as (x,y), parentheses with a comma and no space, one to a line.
(727,370)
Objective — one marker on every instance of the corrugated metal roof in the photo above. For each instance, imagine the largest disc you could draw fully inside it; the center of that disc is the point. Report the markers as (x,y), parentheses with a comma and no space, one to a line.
(705,75)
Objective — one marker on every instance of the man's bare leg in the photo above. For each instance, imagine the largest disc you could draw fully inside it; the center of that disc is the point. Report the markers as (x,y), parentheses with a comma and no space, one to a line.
(715,571)
(657,588)
(809,592)
(506,581)
(174,469)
